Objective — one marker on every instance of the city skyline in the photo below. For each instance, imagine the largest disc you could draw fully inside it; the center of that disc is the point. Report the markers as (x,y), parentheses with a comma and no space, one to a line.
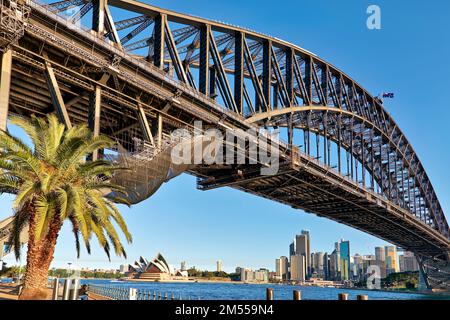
(185,264)
(212,266)
(340,264)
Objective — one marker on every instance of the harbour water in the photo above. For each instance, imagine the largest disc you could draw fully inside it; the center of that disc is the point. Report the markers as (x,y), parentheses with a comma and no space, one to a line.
(239,291)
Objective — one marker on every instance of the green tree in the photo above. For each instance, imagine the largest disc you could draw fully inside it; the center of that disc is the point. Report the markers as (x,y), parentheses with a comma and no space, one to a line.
(53,183)
(13,271)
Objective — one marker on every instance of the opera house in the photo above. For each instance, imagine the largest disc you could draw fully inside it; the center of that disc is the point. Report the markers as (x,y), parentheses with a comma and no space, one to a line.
(156,270)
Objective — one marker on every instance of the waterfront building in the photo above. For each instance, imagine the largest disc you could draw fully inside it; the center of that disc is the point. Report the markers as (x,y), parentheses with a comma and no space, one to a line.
(273,276)
(344,250)
(383,268)
(261,275)
(391,259)
(278,271)
(122,269)
(183,266)
(246,274)
(370,260)
(352,266)
(219,266)
(298,268)
(319,282)
(154,270)
(302,248)
(292,252)
(335,267)
(408,262)
(318,264)
(326,266)
(292,249)
(180,273)
(380,254)
(308,251)
(358,267)
(281,268)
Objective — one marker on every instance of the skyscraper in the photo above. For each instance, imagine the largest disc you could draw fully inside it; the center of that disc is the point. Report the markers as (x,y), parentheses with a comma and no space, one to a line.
(326,266)
(335,267)
(302,248)
(370,260)
(281,268)
(318,264)
(219,266)
(344,249)
(358,270)
(391,259)
(379,254)
(408,262)
(298,268)
(278,269)
(292,249)
(183,266)
(308,251)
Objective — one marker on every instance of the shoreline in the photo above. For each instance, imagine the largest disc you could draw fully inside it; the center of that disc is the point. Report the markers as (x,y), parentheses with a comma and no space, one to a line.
(191,280)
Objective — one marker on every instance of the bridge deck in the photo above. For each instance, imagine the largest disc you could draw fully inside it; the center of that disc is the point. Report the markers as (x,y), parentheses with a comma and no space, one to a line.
(312,187)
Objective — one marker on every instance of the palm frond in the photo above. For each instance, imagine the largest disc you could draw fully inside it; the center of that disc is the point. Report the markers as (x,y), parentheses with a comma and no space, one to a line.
(20,220)
(42,212)
(52,180)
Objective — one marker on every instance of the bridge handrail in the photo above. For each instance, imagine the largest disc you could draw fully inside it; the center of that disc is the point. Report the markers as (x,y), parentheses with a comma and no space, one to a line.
(121,292)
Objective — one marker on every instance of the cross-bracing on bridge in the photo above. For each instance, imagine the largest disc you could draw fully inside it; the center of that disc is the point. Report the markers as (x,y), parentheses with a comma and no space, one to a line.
(153,70)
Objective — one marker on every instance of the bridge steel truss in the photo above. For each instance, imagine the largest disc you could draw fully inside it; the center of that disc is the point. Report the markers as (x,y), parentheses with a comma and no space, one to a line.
(155,70)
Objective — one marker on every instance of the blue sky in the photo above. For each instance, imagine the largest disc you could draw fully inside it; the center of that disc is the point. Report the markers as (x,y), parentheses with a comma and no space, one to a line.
(408,56)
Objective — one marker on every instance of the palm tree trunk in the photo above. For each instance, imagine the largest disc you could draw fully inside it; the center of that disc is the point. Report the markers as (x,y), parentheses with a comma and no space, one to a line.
(39,257)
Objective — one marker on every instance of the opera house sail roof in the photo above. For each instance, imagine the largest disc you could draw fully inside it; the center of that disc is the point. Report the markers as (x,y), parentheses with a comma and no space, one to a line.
(158,265)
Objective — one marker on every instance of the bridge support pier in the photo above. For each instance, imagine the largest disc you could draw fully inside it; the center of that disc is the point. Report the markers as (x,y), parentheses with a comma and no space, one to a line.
(422,285)
(5,84)
(434,273)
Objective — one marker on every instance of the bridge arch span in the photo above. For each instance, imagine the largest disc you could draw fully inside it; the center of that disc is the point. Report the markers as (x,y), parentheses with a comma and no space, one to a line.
(260,76)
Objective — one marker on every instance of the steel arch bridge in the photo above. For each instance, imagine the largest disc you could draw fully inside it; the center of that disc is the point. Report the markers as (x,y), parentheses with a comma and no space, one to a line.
(133,70)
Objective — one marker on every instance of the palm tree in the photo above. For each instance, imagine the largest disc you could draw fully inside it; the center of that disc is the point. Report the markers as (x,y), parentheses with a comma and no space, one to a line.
(53,183)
